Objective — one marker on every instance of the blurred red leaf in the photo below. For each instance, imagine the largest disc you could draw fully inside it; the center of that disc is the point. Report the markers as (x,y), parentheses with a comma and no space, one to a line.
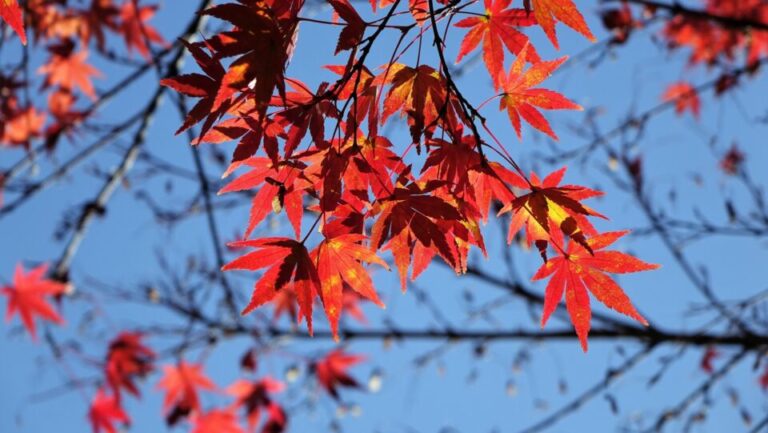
(332,373)
(27,297)
(105,411)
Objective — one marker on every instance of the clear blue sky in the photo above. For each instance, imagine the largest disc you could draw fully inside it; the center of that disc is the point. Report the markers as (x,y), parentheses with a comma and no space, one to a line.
(457,390)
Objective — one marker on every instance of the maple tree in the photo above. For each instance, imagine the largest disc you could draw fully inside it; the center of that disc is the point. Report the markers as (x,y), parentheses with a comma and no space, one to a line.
(371,162)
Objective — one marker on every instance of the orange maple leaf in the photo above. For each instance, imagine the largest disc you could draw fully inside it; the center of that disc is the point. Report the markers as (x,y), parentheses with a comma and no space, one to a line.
(181,383)
(339,264)
(23,126)
(548,12)
(419,8)
(420,93)
(70,70)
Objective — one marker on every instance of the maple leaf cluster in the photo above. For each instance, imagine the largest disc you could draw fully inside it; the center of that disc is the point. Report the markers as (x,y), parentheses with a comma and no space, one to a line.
(713,33)
(69,34)
(127,360)
(713,30)
(711,42)
(254,398)
(715,43)
(320,153)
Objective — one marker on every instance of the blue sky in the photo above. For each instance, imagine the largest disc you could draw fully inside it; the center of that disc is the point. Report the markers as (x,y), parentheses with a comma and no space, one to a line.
(456,390)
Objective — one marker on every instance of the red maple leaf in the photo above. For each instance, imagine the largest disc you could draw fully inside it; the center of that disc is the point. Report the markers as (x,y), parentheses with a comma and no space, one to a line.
(577,271)
(289,263)
(133,25)
(127,359)
(331,371)
(284,303)
(105,411)
(181,383)
(61,104)
(497,29)
(372,164)
(339,264)
(304,111)
(409,217)
(451,161)
(685,97)
(254,396)
(713,43)
(548,12)
(519,97)
(10,12)
(261,41)
(252,130)
(216,421)
(361,88)
(350,303)
(201,86)
(280,187)
(342,174)
(27,296)
(352,33)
